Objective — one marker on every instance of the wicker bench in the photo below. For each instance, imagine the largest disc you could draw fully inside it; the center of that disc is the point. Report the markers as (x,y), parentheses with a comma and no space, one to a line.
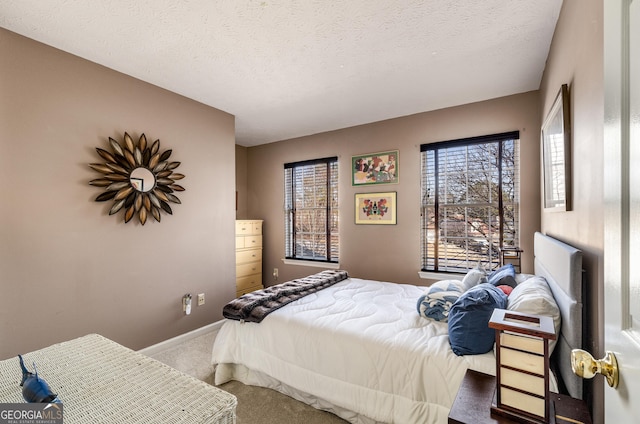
(99,380)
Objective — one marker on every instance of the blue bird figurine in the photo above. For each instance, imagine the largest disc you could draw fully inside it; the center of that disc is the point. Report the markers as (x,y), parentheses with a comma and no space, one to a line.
(35,389)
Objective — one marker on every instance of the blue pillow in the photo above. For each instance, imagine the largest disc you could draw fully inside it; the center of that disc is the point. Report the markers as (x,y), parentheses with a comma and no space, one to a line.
(504,276)
(469,332)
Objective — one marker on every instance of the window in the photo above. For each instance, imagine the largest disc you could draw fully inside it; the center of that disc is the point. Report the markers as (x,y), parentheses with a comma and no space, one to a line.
(311,210)
(470,195)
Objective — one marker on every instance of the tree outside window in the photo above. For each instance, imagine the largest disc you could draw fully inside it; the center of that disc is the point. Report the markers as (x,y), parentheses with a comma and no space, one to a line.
(470,195)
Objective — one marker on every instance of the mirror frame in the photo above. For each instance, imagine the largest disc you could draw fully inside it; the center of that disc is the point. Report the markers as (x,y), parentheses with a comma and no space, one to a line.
(141,177)
(556,155)
(117,184)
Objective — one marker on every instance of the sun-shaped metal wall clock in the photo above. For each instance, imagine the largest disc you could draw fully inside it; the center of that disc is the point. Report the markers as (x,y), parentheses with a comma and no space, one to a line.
(139,178)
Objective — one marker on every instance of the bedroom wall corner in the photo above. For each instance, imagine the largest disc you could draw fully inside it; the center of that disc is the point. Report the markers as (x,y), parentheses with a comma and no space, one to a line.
(576,58)
(67,267)
(241,182)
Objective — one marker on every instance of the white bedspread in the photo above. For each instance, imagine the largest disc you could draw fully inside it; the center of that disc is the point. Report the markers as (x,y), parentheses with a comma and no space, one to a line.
(359,345)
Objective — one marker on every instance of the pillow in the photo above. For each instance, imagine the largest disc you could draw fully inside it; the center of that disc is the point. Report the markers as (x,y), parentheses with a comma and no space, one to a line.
(506,289)
(469,332)
(534,296)
(474,277)
(504,276)
(437,301)
(523,277)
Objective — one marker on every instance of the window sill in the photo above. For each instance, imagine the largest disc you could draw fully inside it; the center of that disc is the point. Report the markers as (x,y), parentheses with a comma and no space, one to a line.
(428,275)
(326,265)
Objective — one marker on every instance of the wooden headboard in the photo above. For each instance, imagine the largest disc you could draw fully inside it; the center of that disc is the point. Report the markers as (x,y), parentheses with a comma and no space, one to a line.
(561,265)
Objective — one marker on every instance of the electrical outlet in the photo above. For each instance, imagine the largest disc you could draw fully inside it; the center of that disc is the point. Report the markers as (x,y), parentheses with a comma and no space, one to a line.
(275,273)
(201,299)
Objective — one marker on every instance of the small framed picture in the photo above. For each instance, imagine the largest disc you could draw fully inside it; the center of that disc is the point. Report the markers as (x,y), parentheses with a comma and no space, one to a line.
(375,168)
(376,208)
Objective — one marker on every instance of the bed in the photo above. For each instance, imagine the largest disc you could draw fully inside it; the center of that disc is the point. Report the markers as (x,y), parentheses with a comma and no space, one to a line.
(99,380)
(359,349)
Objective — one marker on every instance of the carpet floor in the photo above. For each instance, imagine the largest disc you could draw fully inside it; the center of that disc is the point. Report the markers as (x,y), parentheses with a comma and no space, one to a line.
(266,406)
(256,405)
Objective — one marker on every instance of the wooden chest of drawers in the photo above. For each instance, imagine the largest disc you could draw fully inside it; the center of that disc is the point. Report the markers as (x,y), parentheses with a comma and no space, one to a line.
(248,256)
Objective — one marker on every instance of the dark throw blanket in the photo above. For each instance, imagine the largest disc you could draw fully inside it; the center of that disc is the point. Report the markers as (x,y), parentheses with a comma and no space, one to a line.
(254,306)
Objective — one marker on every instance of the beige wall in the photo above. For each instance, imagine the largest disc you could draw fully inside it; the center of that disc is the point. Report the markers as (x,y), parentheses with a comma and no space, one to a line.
(67,268)
(390,253)
(576,58)
(241,182)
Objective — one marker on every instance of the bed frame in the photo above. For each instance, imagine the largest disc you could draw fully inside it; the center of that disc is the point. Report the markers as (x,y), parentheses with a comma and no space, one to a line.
(561,265)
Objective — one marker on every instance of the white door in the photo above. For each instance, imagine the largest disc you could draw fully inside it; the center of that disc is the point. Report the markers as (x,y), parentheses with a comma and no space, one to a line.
(622,205)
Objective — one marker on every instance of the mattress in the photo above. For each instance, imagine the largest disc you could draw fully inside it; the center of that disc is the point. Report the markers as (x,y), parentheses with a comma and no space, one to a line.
(359,345)
(101,381)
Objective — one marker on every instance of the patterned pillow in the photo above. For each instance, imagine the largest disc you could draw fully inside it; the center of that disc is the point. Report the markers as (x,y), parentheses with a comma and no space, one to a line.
(437,301)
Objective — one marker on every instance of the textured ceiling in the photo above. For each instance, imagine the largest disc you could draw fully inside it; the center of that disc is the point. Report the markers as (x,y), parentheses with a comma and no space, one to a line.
(287,68)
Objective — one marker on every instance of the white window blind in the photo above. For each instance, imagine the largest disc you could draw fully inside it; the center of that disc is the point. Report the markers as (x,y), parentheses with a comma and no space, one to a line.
(311,210)
(470,201)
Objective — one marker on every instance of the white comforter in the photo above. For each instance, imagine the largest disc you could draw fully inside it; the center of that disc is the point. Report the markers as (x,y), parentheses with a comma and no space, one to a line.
(359,345)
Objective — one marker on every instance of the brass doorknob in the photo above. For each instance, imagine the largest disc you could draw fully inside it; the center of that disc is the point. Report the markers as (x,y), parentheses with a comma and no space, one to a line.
(585,366)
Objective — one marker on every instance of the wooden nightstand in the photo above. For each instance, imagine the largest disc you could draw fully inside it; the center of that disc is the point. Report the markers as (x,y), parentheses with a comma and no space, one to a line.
(512,255)
(473,402)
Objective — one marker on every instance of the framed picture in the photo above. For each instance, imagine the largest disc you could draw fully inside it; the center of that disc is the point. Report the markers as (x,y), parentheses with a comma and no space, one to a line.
(376,208)
(556,155)
(375,168)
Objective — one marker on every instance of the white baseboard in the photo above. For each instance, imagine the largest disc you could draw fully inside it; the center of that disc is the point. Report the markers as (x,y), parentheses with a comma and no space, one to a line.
(182,338)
